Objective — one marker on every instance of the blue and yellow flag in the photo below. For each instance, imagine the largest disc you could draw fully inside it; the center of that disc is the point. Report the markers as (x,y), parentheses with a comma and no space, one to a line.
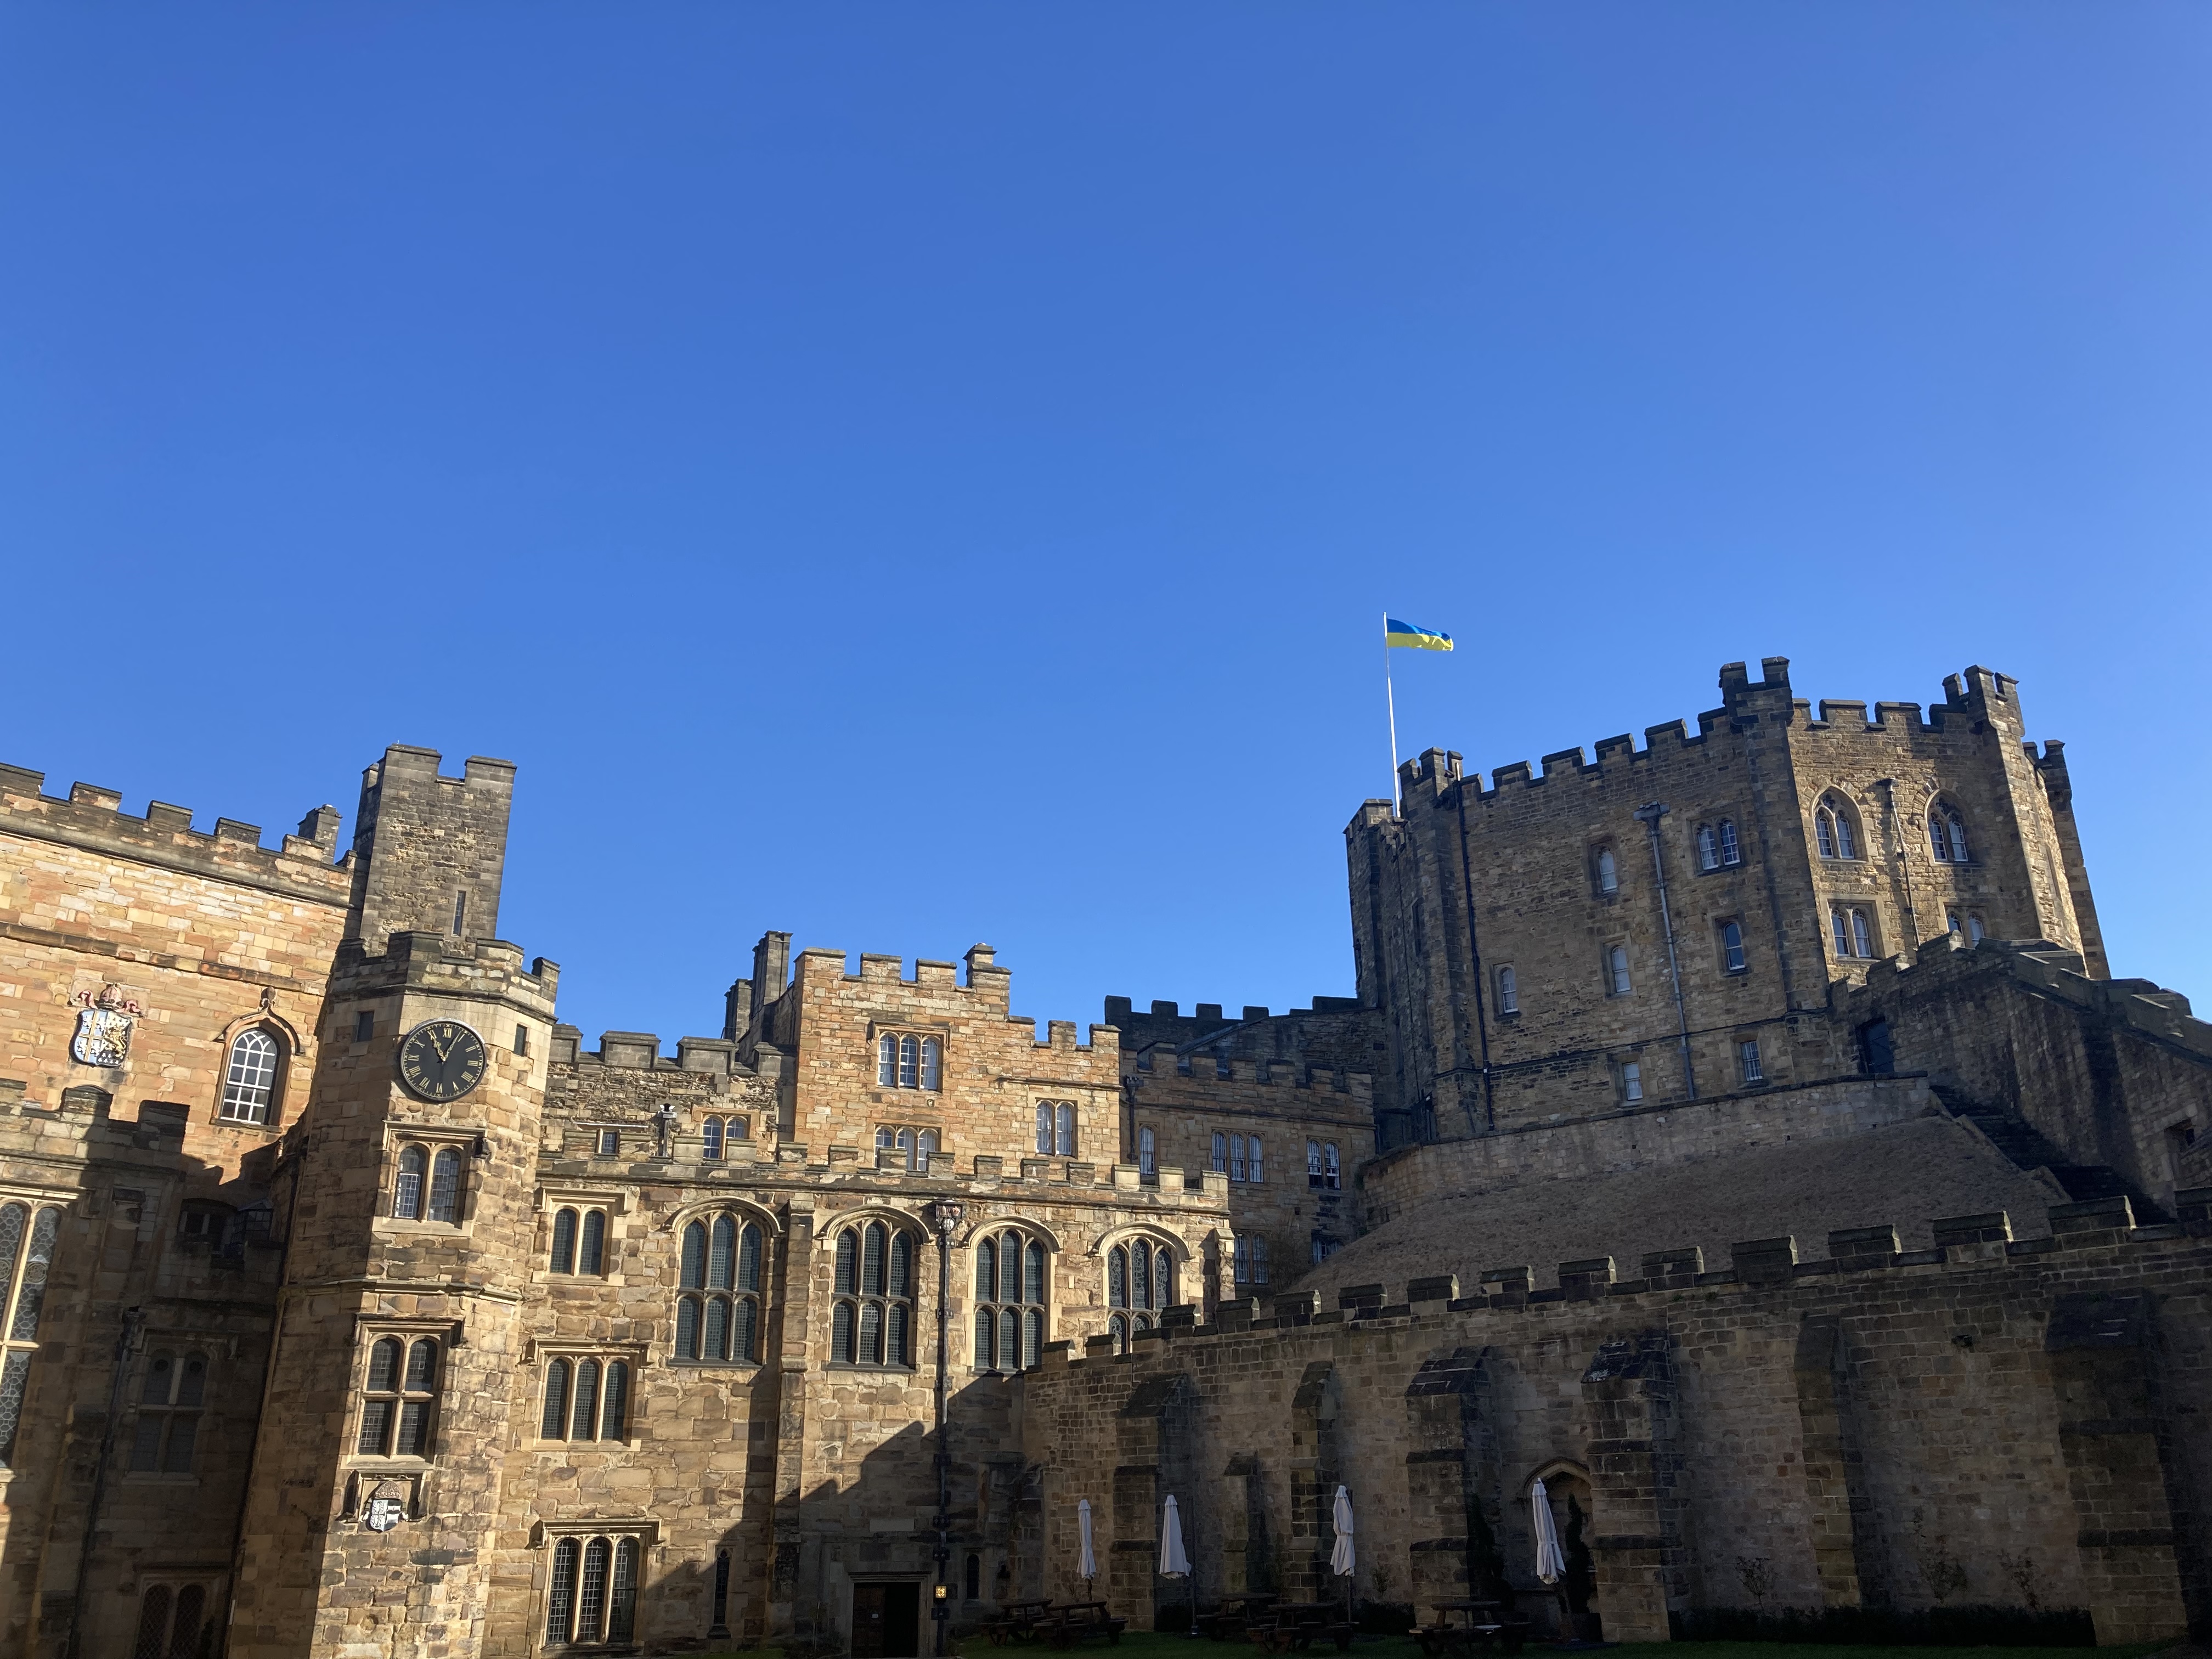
(1419,639)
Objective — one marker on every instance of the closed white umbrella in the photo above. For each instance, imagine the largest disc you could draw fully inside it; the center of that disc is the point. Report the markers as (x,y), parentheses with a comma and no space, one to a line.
(1086,1564)
(1550,1564)
(1174,1563)
(1342,1558)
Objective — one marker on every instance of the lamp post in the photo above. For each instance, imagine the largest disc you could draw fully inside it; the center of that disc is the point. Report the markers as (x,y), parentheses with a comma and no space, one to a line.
(945,1217)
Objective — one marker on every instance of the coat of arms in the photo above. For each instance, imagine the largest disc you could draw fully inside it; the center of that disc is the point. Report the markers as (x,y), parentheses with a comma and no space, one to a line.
(103,1027)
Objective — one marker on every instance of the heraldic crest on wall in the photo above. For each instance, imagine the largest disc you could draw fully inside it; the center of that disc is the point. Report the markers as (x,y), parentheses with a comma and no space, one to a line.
(103,1026)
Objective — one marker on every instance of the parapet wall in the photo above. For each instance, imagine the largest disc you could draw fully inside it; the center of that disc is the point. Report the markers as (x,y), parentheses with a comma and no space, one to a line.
(1641,1138)
(2115,1072)
(91,817)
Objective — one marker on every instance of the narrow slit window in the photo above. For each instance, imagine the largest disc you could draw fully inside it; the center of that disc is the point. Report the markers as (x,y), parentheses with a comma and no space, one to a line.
(1509,992)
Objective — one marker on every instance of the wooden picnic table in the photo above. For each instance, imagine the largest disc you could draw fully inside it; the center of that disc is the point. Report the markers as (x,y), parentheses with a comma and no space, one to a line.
(1487,1626)
(1288,1625)
(1229,1621)
(1017,1620)
(1064,1627)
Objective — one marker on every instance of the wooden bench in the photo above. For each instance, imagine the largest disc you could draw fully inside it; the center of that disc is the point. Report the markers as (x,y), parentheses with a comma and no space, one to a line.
(1066,1626)
(1018,1621)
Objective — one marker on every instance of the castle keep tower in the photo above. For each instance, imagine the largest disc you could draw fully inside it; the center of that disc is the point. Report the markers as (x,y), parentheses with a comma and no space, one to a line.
(376,1475)
(1665,922)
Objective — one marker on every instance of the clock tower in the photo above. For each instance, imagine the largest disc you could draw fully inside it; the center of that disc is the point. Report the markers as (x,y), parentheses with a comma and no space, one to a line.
(406,1190)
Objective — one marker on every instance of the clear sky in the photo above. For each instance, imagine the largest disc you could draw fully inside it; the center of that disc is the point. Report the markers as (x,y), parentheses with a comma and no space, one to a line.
(912,475)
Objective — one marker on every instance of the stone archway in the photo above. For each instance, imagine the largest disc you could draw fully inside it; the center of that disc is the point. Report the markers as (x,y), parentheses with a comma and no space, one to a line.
(1573,1601)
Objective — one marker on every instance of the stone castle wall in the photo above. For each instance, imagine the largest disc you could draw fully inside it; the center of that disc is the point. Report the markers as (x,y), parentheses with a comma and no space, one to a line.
(1769,1435)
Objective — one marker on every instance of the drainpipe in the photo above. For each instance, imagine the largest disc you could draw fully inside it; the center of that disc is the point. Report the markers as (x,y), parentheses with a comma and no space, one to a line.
(1649,815)
(945,1217)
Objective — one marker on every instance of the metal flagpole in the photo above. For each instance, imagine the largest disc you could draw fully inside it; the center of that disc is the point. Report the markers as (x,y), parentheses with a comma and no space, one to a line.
(1390,700)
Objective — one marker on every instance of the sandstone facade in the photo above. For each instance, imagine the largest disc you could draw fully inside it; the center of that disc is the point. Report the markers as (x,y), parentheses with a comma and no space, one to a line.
(350,1304)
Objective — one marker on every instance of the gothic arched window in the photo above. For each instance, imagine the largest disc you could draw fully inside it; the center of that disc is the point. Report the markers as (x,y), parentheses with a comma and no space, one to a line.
(871,1315)
(718,1315)
(1731,852)
(1708,849)
(1010,1301)
(399,1395)
(1140,1274)
(1832,830)
(249,1079)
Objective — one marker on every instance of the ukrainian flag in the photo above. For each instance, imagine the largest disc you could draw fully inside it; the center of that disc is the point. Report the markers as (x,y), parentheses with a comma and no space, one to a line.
(1419,639)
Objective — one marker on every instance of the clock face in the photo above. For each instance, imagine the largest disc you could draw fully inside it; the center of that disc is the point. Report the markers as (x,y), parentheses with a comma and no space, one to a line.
(441,1059)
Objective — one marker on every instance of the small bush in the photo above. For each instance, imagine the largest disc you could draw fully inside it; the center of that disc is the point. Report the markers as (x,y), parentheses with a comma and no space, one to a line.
(1890,1627)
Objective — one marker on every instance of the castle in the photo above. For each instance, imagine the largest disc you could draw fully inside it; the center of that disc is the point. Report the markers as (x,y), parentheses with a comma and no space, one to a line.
(1742,1134)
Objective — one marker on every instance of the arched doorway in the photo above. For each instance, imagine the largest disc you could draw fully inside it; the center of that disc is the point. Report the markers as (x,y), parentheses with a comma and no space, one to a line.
(1573,1604)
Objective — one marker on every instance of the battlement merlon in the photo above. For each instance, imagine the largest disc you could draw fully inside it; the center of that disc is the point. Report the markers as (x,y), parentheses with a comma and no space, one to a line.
(92,818)
(431,850)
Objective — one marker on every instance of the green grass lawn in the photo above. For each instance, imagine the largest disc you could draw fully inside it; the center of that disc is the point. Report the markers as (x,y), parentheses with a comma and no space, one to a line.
(1153,1644)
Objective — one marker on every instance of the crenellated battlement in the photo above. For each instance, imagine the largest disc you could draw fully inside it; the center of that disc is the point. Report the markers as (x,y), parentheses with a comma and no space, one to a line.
(91,817)
(1964,1242)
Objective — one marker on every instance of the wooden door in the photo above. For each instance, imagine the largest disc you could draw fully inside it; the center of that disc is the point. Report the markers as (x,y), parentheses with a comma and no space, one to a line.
(868,1621)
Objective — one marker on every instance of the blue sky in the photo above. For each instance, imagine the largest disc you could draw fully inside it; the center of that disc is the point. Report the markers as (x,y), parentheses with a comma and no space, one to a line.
(918,475)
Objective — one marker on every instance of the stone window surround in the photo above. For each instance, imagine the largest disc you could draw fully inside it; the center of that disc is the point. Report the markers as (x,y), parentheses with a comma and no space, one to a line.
(937,1030)
(290,1049)
(547,1536)
(368,1330)
(542,1351)
(432,1138)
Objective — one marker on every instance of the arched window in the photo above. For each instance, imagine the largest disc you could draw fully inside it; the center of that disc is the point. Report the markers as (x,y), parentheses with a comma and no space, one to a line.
(446,1185)
(1063,1143)
(971,1582)
(1708,849)
(1608,871)
(1732,957)
(1854,933)
(1947,834)
(1832,830)
(718,1312)
(26,1255)
(1332,1169)
(1239,1164)
(1974,933)
(909,1062)
(564,1241)
(1861,936)
(1009,1302)
(1616,969)
(1731,852)
(711,1137)
(1044,1125)
(591,1596)
(1509,992)
(553,1421)
(1220,1164)
(407,1185)
(153,1623)
(249,1081)
(871,1315)
(560,1594)
(169,1405)
(592,1258)
(1140,1275)
(399,1398)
